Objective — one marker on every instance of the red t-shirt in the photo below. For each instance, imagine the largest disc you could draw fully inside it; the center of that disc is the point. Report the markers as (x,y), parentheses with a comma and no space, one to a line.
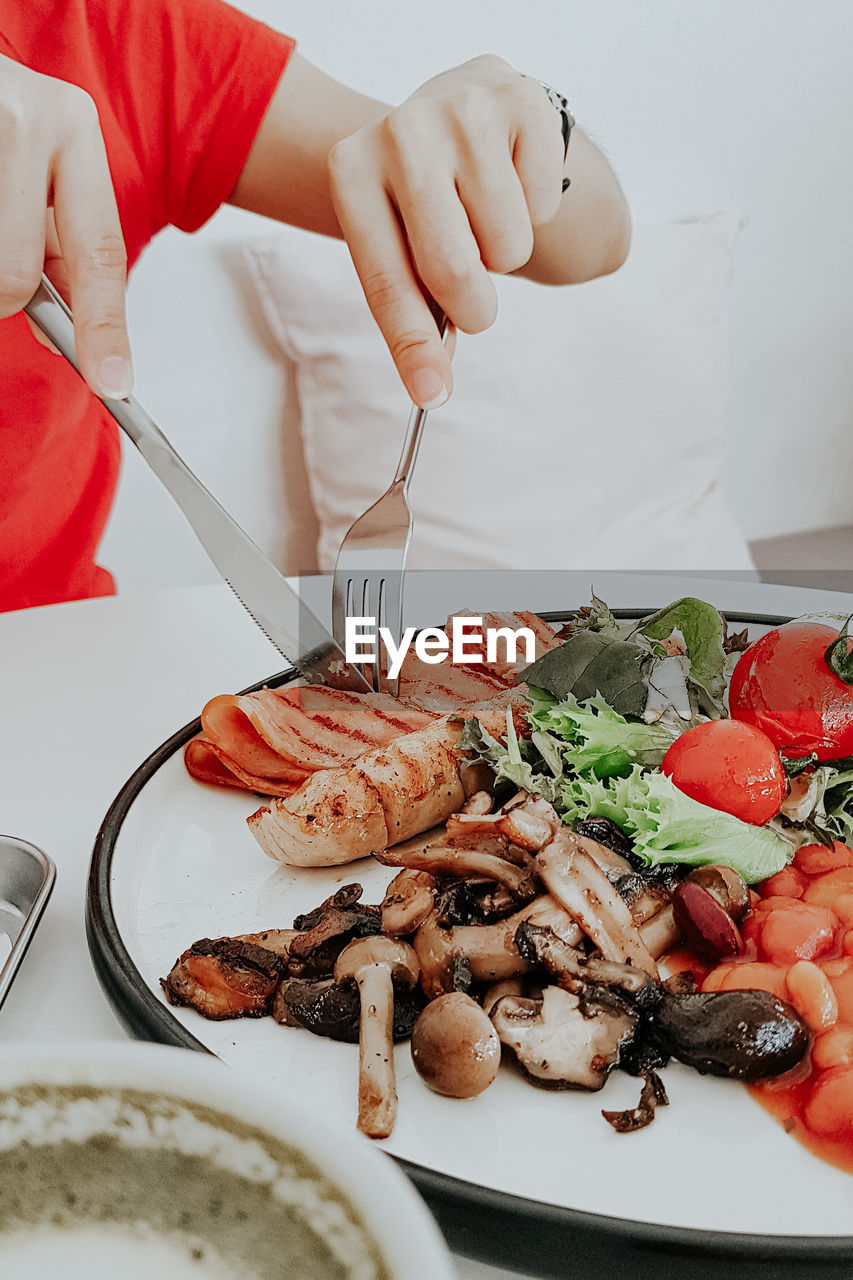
(181,87)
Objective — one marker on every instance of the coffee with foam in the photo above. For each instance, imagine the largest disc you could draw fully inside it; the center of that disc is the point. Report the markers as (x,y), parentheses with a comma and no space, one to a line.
(119,1182)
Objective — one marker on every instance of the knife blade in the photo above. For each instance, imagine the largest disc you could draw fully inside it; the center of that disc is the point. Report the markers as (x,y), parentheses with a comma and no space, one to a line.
(264,593)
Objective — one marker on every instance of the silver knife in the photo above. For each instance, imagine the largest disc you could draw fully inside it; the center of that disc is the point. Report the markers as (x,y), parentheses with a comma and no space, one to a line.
(265,594)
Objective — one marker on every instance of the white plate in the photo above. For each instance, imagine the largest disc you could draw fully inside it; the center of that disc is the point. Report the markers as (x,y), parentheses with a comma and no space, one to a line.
(175,862)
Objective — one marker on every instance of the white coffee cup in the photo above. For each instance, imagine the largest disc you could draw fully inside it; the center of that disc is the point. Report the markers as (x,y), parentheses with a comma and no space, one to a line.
(123,1142)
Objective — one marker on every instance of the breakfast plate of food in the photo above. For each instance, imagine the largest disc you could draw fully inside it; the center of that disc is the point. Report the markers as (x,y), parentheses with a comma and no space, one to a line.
(572,939)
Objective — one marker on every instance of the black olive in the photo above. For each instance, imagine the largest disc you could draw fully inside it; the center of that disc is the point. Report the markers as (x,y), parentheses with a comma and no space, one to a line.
(743,1035)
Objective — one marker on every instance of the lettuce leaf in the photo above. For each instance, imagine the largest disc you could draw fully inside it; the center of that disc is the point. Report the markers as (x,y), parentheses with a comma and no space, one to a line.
(668,826)
(834,812)
(704,631)
(517,761)
(597,739)
(596,616)
(589,663)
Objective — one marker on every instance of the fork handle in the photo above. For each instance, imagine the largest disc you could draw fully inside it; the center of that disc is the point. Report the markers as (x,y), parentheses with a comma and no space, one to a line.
(417,418)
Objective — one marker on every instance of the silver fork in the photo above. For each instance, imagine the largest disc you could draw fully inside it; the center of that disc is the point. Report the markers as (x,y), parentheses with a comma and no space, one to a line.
(371,563)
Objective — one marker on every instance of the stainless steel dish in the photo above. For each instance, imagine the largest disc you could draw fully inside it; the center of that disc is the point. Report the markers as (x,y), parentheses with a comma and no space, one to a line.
(27,877)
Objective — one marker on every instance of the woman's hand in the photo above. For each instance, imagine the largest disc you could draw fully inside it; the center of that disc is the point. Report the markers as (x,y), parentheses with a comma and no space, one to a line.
(443,190)
(58,214)
(464,178)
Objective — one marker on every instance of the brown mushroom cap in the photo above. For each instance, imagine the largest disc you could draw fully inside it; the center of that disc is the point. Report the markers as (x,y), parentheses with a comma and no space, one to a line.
(408,901)
(396,958)
(455,1047)
(560,1045)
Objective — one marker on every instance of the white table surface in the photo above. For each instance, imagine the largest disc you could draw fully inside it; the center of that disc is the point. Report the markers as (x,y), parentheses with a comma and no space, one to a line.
(87,690)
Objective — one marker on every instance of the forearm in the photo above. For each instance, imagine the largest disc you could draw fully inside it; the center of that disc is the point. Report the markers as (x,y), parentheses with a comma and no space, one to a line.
(286,176)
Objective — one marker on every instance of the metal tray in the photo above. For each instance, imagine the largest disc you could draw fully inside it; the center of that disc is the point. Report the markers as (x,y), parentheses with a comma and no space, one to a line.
(27,877)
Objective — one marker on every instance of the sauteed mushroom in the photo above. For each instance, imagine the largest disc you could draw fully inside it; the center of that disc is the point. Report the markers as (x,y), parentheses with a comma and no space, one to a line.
(375,965)
(576,971)
(408,901)
(224,978)
(323,933)
(455,1047)
(489,949)
(572,877)
(560,1045)
(332,1009)
(446,860)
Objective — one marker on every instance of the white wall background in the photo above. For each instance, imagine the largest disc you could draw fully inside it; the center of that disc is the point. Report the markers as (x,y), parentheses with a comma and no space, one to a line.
(739,104)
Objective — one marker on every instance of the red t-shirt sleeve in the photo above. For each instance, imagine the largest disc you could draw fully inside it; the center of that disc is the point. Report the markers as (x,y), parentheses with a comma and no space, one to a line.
(198,77)
(181,87)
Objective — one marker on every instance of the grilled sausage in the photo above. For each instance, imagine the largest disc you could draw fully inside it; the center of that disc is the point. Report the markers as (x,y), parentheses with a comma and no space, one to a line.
(381,798)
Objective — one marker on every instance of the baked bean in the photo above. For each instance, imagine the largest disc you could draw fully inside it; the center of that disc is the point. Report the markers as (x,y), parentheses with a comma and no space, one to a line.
(798,932)
(812,995)
(787,883)
(834,1048)
(829,1110)
(816,859)
(842,985)
(754,976)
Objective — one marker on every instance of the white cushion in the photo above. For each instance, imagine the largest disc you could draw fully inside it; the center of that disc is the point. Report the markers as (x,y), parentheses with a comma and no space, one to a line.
(586,426)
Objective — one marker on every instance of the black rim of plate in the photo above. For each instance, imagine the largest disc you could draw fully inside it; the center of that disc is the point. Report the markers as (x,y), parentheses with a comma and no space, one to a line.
(549,1229)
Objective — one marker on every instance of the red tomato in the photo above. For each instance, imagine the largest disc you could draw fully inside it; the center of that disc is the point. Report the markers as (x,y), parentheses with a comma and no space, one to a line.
(730,766)
(783,685)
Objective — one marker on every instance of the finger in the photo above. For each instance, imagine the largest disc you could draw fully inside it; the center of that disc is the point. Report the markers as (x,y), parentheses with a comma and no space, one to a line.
(55,266)
(378,248)
(539,152)
(445,251)
(53,269)
(56,270)
(498,212)
(92,244)
(24,196)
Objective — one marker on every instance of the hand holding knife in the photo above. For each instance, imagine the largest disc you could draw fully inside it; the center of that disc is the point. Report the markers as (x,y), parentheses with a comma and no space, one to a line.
(266,595)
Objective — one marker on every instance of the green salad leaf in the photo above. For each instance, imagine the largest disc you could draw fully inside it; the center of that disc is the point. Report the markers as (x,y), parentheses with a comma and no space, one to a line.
(596,738)
(589,663)
(668,826)
(704,631)
(596,616)
(521,762)
(834,812)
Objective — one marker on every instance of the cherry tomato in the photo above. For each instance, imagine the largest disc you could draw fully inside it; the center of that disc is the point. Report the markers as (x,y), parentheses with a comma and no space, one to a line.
(784,685)
(730,766)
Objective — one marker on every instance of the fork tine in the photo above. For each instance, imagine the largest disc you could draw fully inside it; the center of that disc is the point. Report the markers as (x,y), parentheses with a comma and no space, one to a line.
(370,600)
(393,609)
(376,585)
